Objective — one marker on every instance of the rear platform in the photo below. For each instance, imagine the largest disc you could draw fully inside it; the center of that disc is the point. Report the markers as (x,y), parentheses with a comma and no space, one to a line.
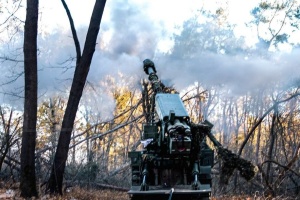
(179,192)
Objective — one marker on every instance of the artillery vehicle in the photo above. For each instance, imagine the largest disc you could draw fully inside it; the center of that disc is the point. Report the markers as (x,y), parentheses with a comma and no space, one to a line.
(176,161)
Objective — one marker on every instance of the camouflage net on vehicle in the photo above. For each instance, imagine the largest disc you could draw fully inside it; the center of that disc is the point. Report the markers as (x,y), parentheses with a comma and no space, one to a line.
(232,161)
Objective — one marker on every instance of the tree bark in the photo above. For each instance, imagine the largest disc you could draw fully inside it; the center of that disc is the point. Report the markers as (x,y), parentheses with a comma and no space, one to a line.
(81,71)
(28,178)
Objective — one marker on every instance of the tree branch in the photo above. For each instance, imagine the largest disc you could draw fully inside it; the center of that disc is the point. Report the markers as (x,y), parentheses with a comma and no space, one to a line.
(261,119)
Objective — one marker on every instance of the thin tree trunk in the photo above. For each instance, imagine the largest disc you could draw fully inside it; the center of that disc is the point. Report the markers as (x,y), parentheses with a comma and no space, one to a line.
(28,178)
(259,131)
(269,172)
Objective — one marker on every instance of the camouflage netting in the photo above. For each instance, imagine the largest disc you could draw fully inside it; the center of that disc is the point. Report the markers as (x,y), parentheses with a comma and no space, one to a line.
(232,161)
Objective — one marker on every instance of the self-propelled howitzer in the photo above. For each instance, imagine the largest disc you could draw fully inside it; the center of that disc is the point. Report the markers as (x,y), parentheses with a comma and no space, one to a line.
(176,161)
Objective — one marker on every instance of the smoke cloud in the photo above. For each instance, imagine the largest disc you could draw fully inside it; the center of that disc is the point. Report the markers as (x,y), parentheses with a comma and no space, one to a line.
(237,73)
(128,35)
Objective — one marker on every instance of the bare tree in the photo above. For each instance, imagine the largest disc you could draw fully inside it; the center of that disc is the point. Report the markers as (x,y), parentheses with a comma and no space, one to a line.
(81,71)
(10,131)
(28,178)
(261,119)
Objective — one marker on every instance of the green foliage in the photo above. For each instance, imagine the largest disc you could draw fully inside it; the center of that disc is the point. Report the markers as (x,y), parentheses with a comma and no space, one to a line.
(282,38)
(264,5)
(214,35)
(276,21)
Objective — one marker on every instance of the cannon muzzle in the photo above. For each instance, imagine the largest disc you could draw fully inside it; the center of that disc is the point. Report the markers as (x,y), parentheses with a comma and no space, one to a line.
(149,66)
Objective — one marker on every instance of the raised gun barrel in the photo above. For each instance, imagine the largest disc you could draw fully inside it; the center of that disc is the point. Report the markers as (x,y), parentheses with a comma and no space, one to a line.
(150,70)
(171,113)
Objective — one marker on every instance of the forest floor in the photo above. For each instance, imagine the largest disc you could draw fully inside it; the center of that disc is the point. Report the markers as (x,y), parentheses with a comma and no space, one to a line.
(72,194)
(77,193)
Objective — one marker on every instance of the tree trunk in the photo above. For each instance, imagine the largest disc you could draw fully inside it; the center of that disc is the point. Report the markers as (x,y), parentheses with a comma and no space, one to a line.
(80,75)
(259,112)
(273,132)
(28,179)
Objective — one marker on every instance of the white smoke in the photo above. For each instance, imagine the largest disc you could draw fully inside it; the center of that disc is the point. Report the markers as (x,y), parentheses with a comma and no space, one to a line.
(237,73)
(130,33)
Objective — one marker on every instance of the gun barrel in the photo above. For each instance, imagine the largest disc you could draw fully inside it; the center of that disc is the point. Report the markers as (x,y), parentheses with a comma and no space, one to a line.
(213,139)
(150,70)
